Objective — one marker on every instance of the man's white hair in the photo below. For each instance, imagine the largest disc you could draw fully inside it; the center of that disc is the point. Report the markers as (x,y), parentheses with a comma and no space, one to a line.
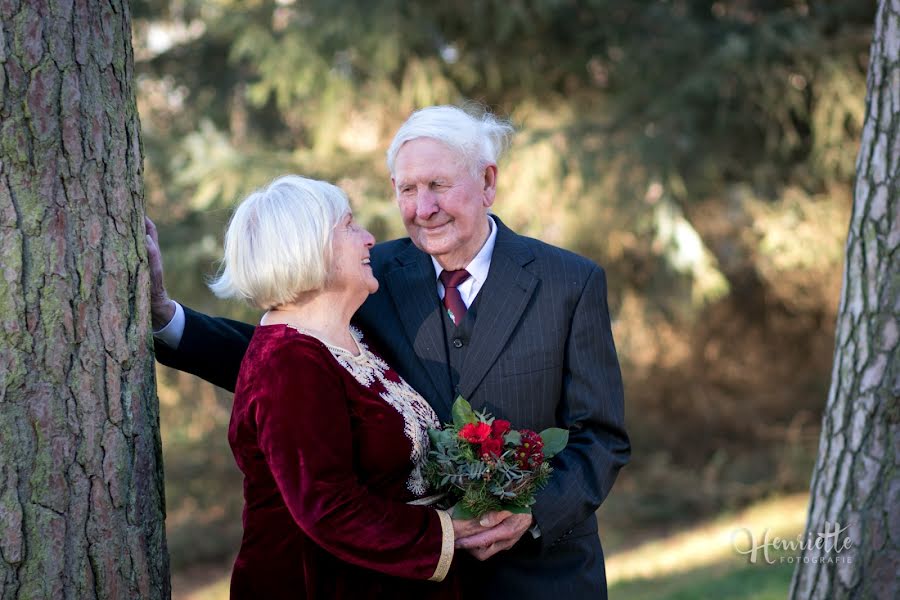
(479,140)
(278,242)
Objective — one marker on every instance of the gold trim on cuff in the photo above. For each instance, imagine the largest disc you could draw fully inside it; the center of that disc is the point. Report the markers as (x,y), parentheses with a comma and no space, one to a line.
(447,541)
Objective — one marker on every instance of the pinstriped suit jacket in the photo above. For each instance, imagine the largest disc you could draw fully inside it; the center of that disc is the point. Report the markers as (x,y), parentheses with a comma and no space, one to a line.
(541,355)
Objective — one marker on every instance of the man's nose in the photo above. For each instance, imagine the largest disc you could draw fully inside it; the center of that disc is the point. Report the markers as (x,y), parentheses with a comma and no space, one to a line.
(426,204)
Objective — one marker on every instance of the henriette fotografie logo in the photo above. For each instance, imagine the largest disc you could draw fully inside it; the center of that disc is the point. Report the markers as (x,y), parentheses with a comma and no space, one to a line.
(830,542)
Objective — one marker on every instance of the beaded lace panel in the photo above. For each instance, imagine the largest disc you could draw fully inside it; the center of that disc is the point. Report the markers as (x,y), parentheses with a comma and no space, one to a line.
(418,416)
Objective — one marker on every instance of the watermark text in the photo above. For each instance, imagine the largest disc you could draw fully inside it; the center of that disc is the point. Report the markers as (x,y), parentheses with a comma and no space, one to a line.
(831,542)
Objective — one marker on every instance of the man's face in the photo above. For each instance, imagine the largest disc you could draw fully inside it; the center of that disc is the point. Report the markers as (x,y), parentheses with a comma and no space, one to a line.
(443,206)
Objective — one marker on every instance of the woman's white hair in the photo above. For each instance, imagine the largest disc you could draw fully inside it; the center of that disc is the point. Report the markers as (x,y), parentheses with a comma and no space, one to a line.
(479,139)
(278,242)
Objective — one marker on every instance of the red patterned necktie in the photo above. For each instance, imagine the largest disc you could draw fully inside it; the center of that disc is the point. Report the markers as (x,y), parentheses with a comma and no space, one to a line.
(453,301)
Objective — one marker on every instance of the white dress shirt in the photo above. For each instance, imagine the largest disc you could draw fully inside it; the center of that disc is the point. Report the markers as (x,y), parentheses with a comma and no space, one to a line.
(170,335)
(478,269)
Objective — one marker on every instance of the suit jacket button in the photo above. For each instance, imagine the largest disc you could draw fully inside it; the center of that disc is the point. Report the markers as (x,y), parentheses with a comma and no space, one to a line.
(457,343)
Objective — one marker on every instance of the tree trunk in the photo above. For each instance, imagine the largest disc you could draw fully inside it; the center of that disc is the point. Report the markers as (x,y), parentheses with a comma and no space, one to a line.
(855,483)
(81,484)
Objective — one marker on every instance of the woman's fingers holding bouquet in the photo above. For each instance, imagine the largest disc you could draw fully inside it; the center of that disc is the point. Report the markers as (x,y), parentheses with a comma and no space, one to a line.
(494,518)
(463,528)
(485,553)
(502,536)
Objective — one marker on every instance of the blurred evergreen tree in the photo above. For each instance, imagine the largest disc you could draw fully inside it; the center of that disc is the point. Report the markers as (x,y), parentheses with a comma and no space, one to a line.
(618,97)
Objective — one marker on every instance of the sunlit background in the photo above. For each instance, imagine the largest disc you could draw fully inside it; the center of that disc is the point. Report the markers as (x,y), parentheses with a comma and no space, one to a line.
(702,152)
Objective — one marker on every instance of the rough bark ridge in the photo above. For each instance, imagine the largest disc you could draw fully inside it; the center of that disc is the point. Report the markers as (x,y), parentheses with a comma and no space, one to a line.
(81,486)
(855,482)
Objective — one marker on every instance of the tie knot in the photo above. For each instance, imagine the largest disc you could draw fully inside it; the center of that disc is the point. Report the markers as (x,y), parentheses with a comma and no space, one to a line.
(452,279)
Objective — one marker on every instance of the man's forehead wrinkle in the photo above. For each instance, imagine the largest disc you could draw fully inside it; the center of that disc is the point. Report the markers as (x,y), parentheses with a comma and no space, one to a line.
(426,175)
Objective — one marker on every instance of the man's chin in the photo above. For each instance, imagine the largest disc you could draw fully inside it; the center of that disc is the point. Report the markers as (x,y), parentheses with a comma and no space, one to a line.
(429,246)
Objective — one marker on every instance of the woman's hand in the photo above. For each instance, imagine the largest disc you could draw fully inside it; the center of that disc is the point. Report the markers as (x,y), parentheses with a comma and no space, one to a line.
(503,529)
(467,527)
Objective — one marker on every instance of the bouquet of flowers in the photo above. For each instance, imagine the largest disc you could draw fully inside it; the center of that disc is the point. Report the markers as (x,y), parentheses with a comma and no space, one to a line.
(482,464)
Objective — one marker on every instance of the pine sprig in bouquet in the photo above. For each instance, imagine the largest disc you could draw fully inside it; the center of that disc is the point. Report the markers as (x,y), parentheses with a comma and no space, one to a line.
(484,465)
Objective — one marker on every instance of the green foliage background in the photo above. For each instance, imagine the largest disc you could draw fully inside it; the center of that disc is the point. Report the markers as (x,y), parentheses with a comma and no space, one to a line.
(702,152)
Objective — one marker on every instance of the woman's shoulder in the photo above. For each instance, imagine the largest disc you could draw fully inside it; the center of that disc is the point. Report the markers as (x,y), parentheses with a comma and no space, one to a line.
(280,362)
(282,346)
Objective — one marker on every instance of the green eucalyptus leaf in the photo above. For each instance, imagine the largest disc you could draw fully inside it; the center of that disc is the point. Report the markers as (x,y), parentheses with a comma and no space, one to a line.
(461,512)
(462,412)
(434,435)
(444,439)
(517,510)
(555,439)
(513,437)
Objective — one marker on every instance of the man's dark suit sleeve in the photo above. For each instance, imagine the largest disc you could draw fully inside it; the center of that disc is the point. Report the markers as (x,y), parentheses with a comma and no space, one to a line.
(211,348)
(592,407)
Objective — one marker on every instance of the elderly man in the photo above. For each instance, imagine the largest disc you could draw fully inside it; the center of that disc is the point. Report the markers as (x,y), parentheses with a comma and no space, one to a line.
(468,307)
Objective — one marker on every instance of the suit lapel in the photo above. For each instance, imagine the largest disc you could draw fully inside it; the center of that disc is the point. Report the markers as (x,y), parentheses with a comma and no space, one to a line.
(413,289)
(504,298)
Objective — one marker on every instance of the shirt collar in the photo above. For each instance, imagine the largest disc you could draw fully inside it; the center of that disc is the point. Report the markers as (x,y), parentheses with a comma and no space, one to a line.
(481,264)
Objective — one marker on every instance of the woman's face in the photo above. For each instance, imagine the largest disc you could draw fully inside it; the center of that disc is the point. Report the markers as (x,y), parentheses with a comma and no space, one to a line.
(350,269)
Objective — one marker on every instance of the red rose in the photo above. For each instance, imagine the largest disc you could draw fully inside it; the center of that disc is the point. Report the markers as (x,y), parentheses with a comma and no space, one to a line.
(500,428)
(475,432)
(492,447)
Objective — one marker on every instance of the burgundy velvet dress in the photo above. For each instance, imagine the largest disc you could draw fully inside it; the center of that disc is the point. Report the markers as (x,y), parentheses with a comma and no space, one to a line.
(331,447)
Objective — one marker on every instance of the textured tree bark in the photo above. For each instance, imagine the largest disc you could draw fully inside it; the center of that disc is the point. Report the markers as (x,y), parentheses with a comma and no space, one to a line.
(81,484)
(855,482)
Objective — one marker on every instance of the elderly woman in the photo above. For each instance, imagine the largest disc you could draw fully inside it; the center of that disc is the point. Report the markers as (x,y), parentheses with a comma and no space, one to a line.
(330,439)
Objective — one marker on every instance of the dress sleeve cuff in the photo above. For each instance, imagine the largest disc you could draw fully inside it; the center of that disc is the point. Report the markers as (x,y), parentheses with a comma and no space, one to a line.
(447,543)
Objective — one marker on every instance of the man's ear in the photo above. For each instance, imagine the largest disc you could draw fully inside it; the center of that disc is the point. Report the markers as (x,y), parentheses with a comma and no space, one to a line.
(394,189)
(490,184)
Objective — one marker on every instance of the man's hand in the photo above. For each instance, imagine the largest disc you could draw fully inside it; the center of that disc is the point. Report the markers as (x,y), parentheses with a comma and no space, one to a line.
(505,529)
(162,308)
